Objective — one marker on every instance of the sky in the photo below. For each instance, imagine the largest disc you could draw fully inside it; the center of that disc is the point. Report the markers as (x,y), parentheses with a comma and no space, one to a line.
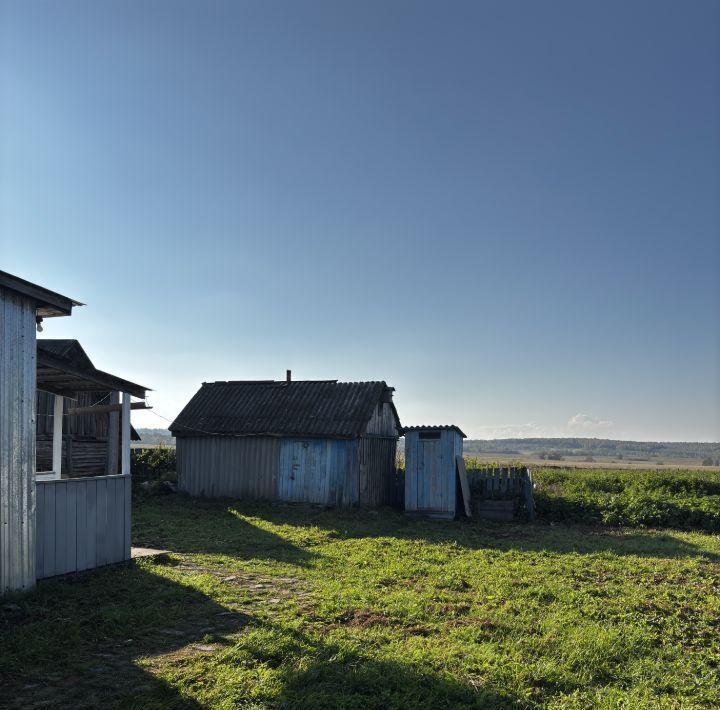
(507,210)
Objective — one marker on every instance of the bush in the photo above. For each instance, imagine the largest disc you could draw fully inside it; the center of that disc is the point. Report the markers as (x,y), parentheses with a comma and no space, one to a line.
(155,463)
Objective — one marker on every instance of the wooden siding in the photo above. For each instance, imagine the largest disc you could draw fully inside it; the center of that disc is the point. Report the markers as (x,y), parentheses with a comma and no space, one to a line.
(82,523)
(228,466)
(319,471)
(430,475)
(17,442)
(383,421)
(377,465)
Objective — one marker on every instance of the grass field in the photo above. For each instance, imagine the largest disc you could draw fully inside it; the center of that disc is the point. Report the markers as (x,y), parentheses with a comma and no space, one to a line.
(280,606)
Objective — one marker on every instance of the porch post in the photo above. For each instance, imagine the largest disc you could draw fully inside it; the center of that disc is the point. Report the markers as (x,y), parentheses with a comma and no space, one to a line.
(57,436)
(125,446)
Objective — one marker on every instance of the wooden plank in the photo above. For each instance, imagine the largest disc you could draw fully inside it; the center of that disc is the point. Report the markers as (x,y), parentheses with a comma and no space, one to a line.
(125,430)
(57,435)
(113,437)
(464,485)
(106,408)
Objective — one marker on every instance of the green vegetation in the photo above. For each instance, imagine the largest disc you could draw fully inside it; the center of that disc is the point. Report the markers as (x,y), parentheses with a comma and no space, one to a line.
(264,606)
(686,500)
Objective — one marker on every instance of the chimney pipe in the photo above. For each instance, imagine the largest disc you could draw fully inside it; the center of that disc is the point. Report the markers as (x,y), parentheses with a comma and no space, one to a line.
(288,375)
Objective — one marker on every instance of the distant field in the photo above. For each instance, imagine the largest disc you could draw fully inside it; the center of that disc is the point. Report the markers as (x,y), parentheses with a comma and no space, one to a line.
(597,462)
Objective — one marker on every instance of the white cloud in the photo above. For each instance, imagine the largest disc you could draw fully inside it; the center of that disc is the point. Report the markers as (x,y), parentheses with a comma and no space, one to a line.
(585,423)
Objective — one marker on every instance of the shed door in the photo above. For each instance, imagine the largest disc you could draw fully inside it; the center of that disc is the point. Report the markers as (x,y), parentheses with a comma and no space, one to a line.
(303,474)
(431,478)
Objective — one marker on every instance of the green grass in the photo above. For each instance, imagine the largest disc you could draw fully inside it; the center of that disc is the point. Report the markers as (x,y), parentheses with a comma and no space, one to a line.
(281,606)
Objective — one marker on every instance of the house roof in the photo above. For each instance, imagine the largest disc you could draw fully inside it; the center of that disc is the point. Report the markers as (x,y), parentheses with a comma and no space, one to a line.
(435,427)
(327,409)
(47,303)
(64,368)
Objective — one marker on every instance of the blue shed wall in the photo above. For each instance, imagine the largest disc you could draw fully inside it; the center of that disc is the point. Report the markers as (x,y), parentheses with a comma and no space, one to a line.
(320,471)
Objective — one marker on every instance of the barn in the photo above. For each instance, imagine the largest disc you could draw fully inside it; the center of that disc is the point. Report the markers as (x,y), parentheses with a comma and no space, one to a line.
(320,441)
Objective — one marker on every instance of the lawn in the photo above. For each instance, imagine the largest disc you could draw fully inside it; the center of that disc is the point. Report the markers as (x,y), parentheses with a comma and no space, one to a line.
(281,606)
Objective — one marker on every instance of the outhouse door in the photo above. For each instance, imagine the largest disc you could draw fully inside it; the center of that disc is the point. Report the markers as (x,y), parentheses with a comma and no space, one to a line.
(431,476)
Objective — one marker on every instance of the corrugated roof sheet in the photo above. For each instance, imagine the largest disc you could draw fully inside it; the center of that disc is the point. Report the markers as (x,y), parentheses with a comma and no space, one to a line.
(299,408)
(435,427)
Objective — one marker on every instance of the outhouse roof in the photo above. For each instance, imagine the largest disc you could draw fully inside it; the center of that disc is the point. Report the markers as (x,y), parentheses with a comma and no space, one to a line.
(435,427)
(64,368)
(47,302)
(313,408)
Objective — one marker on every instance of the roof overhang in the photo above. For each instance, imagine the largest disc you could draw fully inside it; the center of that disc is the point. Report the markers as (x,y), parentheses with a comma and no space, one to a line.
(48,304)
(58,376)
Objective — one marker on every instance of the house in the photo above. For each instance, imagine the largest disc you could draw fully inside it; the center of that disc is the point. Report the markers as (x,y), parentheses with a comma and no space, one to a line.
(50,524)
(324,442)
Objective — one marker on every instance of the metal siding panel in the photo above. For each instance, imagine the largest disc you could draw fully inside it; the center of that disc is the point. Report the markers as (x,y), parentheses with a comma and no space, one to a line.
(127,517)
(50,531)
(60,528)
(236,467)
(102,551)
(71,527)
(92,527)
(40,528)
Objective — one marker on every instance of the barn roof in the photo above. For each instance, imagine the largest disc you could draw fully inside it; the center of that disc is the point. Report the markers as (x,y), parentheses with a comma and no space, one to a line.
(327,408)
(64,368)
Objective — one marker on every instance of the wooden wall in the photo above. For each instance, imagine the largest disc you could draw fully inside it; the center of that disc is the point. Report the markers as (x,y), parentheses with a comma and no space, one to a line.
(17,442)
(82,523)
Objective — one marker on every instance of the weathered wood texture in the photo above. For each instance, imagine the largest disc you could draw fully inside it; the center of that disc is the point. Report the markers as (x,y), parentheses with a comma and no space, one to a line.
(431,480)
(82,523)
(17,442)
(503,482)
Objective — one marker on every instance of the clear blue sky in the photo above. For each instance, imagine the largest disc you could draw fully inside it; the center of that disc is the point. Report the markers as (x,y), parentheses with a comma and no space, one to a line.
(507,210)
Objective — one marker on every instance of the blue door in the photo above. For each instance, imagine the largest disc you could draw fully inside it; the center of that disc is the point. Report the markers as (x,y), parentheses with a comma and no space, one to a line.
(303,471)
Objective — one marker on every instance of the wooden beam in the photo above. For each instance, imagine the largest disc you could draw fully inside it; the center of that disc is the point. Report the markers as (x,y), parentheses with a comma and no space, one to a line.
(106,408)
(125,449)
(113,450)
(57,435)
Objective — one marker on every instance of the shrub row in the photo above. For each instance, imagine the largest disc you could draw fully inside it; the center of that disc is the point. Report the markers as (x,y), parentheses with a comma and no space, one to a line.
(685,500)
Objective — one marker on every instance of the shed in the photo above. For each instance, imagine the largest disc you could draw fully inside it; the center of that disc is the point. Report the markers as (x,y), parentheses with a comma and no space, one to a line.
(432,484)
(320,441)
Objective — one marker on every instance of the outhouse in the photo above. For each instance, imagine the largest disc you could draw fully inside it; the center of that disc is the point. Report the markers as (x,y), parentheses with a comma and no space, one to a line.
(432,481)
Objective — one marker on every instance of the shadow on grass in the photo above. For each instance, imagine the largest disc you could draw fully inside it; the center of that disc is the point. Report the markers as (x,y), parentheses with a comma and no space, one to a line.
(74,641)
(182,524)
(471,534)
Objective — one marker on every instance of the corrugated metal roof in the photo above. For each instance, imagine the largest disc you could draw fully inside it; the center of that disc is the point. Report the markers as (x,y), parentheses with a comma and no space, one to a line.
(299,408)
(435,427)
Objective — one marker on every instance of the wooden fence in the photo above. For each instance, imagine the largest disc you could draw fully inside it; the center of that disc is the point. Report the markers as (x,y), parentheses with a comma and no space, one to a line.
(82,523)
(503,483)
